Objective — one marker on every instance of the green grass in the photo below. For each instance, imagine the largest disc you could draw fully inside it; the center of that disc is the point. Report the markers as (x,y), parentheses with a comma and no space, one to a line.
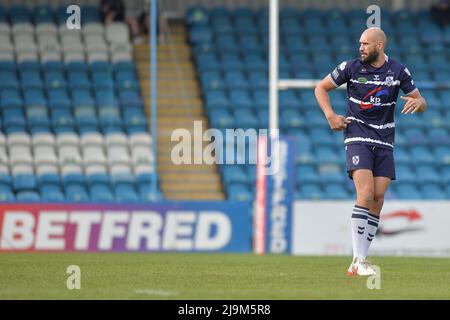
(216,276)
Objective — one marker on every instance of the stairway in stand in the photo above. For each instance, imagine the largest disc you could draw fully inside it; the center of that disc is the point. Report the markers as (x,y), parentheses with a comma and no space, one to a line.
(179,105)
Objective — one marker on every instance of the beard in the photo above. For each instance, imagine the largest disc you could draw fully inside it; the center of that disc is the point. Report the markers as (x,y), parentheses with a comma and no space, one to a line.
(371,57)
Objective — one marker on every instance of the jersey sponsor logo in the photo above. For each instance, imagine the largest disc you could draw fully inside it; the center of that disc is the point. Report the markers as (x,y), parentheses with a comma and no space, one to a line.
(355,160)
(362,80)
(374,98)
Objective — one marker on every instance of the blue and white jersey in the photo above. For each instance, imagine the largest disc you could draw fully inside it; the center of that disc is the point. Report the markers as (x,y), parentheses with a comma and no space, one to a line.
(372,95)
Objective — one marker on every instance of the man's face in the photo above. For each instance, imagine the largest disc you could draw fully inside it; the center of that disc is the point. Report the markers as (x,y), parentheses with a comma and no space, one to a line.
(368,50)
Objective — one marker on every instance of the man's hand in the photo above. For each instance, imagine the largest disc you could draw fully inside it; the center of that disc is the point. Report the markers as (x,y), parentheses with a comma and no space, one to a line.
(412,105)
(337,122)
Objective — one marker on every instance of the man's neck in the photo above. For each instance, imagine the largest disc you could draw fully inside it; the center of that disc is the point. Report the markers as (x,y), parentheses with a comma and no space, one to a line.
(380,61)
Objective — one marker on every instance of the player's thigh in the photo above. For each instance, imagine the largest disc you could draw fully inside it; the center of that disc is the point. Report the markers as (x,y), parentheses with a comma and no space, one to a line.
(364,182)
(381,185)
(358,156)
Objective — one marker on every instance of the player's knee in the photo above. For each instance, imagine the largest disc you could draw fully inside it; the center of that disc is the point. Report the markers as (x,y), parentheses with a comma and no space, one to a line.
(379,198)
(366,196)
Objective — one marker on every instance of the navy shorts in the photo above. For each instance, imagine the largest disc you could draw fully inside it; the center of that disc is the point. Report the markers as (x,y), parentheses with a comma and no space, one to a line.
(363,156)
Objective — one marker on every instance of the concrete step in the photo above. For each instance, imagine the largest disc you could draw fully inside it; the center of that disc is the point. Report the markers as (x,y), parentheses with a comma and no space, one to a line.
(199,186)
(207,196)
(170,167)
(190,177)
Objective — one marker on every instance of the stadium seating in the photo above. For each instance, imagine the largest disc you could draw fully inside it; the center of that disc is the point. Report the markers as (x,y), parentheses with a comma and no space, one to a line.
(73,127)
(230,52)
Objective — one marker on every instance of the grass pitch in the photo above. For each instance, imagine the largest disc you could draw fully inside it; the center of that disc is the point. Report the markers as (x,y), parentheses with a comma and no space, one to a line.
(216,276)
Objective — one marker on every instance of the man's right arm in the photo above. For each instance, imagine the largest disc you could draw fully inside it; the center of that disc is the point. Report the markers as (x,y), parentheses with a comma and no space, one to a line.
(336,122)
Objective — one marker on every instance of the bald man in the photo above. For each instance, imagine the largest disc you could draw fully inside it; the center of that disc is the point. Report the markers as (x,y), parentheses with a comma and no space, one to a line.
(373,83)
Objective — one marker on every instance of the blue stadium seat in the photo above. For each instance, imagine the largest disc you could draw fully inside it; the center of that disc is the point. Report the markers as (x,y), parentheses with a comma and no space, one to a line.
(85,116)
(433,192)
(134,118)
(233,174)
(43,14)
(221,118)
(421,155)
(216,99)
(245,118)
(235,80)
(239,192)
(130,99)
(31,80)
(59,99)
(76,193)
(306,174)
(49,179)
(106,98)
(82,98)
(311,191)
(37,117)
(321,137)
(13,118)
(6,194)
(263,118)
(51,193)
(416,136)
(336,191)
(316,120)
(28,196)
(97,178)
(442,155)
(79,80)
(19,13)
(200,34)
(291,119)
(34,97)
(408,191)
(146,194)
(126,194)
(227,43)
(231,62)
(73,178)
(101,193)
(327,155)
(62,118)
(240,99)
(401,156)
(332,175)
(10,98)
(427,174)
(55,79)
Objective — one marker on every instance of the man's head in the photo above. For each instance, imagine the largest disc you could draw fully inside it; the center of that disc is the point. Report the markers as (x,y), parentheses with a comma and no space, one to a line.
(372,44)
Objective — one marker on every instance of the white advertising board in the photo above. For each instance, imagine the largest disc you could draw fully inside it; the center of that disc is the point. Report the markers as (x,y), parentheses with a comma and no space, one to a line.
(407,228)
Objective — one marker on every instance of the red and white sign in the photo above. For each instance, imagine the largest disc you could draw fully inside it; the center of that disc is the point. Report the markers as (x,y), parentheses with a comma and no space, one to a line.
(407,228)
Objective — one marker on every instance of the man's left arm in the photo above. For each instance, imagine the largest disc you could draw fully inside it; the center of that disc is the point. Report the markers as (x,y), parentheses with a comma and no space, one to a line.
(414,102)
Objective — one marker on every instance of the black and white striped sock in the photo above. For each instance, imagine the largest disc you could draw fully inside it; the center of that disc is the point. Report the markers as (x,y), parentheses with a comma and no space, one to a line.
(359,226)
(371,230)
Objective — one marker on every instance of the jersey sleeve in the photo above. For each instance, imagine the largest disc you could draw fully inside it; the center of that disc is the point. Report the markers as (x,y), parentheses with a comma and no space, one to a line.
(340,74)
(406,82)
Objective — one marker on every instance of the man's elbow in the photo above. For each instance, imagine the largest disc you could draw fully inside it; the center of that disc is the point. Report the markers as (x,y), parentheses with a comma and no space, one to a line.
(318,88)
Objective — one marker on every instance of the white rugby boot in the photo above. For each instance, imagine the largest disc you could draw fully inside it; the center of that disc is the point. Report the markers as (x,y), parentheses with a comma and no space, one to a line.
(360,267)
